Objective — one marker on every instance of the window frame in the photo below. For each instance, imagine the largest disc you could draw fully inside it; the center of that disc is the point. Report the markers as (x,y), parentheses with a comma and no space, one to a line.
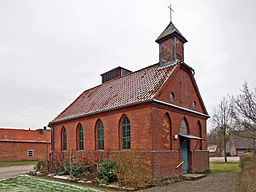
(184,127)
(100,135)
(80,138)
(64,139)
(30,151)
(194,104)
(126,134)
(172,96)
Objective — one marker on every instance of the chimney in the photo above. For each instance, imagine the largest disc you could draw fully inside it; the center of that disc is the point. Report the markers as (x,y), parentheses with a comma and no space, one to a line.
(114,73)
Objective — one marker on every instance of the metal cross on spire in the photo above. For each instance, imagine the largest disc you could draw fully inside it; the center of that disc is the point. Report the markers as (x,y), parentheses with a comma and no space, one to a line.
(171,10)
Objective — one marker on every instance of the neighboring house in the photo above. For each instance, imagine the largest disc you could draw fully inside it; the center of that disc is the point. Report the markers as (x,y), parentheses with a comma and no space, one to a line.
(20,144)
(156,111)
(240,144)
(214,150)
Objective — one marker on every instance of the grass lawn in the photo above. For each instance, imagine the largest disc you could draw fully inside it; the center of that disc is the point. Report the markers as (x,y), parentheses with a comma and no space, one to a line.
(16,163)
(221,167)
(29,184)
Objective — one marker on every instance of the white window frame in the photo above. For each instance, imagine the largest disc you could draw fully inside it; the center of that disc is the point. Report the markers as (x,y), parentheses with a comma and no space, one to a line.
(30,153)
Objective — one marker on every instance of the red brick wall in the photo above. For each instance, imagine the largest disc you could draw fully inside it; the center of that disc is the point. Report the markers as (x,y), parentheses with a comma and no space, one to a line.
(14,144)
(152,131)
(16,151)
(167,158)
(200,161)
(140,119)
(184,90)
(165,163)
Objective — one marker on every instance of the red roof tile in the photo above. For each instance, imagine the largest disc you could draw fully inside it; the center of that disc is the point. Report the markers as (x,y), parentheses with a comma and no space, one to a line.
(135,87)
(21,135)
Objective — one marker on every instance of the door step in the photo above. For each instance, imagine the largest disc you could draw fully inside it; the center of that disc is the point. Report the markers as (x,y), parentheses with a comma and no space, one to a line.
(191,176)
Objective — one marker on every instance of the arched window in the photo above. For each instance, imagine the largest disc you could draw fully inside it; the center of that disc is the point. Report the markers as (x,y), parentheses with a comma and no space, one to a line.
(64,139)
(126,133)
(100,137)
(183,127)
(200,134)
(80,138)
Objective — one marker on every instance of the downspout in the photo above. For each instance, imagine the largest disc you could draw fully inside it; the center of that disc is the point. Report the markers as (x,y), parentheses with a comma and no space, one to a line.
(52,139)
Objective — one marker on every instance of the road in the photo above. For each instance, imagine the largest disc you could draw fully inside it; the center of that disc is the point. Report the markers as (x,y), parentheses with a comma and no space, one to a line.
(6,172)
(222,159)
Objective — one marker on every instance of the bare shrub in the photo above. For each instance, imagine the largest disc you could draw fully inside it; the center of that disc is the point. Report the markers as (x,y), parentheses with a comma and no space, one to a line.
(133,169)
(96,158)
(246,158)
(52,165)
(247,181)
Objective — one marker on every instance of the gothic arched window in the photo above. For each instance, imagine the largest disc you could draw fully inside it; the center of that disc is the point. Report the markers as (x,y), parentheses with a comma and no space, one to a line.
(183,127)
(126,133)
(64,139)
(80,137)
(100,133)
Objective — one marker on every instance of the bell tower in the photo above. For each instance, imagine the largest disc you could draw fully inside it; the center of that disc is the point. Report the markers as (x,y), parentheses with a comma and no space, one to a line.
(171,43)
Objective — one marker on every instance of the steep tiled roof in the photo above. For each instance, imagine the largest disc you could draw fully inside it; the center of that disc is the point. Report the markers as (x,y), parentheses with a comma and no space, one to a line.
(21,135)
(135,87)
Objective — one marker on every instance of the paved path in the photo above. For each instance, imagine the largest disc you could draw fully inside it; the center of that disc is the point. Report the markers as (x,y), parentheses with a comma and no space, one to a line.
(6,172)
(222,159)
(222,182)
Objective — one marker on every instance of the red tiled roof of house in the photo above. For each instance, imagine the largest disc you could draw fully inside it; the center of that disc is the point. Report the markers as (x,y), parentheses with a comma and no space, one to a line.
(132,88)
(21,135)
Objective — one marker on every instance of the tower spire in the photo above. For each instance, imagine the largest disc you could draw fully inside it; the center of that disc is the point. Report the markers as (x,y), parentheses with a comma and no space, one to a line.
(171,10)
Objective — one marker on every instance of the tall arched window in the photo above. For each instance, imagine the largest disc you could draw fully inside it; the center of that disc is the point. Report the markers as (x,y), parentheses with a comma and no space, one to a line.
(200,134)
(80,138)
(126,133)
(64,139)
(100,137)
(183,127)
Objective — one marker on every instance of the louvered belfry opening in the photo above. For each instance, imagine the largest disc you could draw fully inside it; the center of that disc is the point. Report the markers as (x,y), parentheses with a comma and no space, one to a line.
(114,73)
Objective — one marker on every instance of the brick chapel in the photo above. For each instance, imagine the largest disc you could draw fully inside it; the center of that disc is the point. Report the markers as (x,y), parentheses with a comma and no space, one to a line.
(156,112)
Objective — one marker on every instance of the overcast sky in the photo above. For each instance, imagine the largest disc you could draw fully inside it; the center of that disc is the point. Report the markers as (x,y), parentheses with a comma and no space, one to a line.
(53,50)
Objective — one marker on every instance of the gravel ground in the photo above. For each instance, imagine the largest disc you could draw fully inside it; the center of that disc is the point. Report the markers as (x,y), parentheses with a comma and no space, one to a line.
(223,182)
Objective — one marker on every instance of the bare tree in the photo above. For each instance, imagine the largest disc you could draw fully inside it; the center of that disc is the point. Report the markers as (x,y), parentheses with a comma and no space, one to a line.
(243,108)
(222,121)
(215,137)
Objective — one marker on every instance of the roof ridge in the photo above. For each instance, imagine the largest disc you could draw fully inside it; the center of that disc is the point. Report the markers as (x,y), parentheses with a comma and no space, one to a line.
(129,74)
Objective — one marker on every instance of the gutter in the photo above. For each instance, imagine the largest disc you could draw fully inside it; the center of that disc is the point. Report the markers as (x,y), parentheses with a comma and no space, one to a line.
(24,141)
(127,105)
(96,112)
(181,108)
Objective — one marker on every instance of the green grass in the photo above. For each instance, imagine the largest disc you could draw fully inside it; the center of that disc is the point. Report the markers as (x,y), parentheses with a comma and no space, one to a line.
(32,184)
(229,167)
(16,163)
